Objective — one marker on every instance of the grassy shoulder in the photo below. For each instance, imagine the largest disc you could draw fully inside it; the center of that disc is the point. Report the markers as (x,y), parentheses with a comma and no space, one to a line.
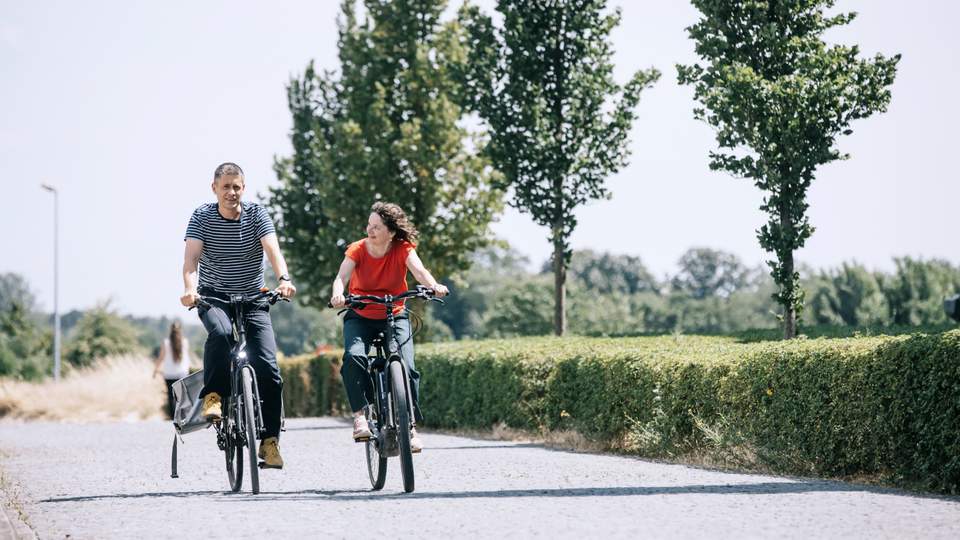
(116,388)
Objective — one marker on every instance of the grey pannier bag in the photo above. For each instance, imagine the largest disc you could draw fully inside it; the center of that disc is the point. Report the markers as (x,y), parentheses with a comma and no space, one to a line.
(187,415)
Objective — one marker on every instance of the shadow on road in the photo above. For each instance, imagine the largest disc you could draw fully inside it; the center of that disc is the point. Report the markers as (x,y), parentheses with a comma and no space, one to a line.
(761,488)
(312,428)
(764,488)
(487,446)
(134,496)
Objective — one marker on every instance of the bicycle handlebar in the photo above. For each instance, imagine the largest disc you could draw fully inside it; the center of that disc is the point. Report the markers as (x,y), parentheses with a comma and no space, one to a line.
(271,296)
(361,300)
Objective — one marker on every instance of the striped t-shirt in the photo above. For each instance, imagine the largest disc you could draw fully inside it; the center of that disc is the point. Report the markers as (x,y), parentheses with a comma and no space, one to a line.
(232,258)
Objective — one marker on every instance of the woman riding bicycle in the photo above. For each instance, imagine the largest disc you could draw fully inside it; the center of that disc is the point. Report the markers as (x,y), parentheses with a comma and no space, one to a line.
(377,265)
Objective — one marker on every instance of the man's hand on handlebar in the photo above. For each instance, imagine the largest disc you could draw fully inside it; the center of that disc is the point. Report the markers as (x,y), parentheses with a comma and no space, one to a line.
(440,290)
(337,301)
(286,289)
(189,298)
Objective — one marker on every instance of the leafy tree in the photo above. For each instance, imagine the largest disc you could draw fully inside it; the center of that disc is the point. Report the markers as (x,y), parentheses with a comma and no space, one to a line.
(608,273)
(518,309)
(616,314)
(558,122)
(98,334)
(14,290)
(25,346)
(301,329)
(916,290)
(472,291)
(851,296)
(385,128)
(779,97)
(706,272)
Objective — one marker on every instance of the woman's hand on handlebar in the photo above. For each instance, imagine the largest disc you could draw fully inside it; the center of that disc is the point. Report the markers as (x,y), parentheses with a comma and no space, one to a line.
(440,290)
(337,301)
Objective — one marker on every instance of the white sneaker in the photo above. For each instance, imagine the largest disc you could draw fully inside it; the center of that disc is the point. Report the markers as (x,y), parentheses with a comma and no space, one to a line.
(416,445)
(361,431)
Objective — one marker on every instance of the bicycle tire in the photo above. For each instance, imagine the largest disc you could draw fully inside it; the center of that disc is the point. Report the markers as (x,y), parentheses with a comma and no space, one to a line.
(233,452)
(250,416)
(376,463)
(398,396)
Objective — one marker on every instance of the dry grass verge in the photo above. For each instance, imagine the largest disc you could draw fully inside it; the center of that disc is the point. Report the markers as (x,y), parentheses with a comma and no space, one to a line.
(117,388)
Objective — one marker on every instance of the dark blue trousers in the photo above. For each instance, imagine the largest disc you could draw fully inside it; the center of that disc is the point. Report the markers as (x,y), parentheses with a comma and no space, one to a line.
(261,351)
(358,334)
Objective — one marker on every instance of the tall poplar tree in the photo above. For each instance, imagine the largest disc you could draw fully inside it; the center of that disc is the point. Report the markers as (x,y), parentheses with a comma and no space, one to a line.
(778,97)
(387,127)
(558,121)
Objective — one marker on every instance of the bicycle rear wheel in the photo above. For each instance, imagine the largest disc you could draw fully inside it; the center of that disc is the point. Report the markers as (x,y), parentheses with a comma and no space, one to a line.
(232,450)
(249,423)
(376,463)
(398,397)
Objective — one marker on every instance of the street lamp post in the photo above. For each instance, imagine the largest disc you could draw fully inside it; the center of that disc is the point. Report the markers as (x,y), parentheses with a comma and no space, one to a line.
(56,281)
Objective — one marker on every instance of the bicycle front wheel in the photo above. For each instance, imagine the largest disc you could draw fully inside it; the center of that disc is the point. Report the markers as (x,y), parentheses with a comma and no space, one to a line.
(249,421)
(232,450)
(376,463)
(398,396)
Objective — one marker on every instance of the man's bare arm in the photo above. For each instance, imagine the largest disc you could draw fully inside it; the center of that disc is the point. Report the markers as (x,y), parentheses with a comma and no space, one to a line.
(191,260)
(271,246)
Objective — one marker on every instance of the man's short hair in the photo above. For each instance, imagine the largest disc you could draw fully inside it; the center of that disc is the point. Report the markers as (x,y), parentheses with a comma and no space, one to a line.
(227,169)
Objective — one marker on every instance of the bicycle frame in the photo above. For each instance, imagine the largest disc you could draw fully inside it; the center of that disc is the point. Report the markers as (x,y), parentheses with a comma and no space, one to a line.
(239,361)
(391,423)
(387,352)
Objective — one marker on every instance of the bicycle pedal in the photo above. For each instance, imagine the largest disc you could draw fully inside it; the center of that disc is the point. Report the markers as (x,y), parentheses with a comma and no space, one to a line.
(363,439)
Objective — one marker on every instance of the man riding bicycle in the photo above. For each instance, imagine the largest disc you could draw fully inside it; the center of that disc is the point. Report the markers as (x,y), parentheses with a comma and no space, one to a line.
(228,239)
(377,265)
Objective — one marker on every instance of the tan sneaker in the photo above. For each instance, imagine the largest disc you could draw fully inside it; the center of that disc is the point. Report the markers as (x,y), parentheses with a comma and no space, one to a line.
(361,431)
(416,445)
(270,453)
(211,407)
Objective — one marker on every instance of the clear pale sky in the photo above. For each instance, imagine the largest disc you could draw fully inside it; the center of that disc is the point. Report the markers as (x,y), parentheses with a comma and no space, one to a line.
(127,107)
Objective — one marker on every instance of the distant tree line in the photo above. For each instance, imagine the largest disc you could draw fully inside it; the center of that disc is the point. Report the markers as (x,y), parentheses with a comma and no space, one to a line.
(711,292)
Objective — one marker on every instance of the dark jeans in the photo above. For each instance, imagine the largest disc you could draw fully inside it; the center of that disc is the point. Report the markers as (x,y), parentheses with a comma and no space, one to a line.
(358,334)
(171,400)
(261,350)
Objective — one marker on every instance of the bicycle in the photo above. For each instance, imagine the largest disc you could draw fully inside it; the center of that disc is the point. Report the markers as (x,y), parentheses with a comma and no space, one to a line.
(390,415)
(242,420)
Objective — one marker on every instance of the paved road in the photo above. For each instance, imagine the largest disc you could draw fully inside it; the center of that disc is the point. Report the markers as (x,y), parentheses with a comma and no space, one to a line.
(112,481)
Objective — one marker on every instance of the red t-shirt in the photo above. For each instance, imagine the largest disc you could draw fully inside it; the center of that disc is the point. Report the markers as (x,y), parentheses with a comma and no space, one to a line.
(379,277)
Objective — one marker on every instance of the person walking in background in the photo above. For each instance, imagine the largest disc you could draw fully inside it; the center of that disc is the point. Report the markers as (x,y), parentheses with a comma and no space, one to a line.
(173,361)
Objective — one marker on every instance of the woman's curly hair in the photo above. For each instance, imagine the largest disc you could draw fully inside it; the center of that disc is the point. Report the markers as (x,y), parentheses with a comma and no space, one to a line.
(396,221)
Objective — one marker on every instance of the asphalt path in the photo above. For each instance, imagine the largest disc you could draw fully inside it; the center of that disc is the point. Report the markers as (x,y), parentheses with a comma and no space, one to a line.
(113,481)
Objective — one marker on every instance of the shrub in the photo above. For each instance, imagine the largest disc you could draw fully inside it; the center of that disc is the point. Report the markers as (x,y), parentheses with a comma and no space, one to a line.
(883,406)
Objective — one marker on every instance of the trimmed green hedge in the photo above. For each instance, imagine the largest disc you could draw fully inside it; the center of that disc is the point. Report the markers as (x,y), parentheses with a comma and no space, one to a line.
(886,407)
(311,386)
